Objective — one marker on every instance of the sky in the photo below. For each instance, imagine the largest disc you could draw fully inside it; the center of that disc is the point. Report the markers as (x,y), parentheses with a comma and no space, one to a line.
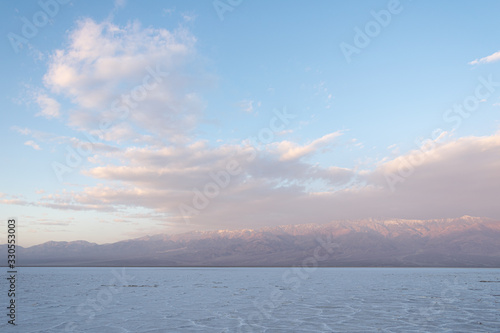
(123,118)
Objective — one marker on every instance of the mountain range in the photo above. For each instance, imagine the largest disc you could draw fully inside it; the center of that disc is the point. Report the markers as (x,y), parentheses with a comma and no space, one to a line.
(457,242)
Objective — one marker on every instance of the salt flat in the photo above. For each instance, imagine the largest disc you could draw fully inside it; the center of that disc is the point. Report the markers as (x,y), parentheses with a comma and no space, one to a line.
(147,300)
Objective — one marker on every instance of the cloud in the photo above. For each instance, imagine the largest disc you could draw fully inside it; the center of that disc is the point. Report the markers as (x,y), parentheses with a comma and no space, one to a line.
(394,149)
(445,180)
(120,3)
(56,223)
(146,77)
(39,135)
(160,179)
(168,11)
(98,147)
(248,105)
(32,144)
(189,17)
(23,131)
(454,178)
(50,107)
(284,132)
(290,150)
(9,199)
(149,162)
(491,58)
(16,202)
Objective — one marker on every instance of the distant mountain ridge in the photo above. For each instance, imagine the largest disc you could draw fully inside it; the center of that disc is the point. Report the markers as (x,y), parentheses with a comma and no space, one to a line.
(458,242)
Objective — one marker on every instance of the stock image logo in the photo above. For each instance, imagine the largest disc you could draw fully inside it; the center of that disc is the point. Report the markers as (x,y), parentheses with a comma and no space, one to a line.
(32,25)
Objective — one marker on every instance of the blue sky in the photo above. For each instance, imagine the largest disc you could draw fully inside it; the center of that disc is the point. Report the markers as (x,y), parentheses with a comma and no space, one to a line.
(224,70)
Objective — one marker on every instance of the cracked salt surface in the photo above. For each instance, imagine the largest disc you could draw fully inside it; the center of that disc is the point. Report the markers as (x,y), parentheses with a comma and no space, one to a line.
(151,300)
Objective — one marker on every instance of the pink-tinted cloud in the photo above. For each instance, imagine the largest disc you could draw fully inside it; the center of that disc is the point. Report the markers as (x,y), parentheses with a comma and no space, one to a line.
(50,108)
(456,178)
(32,144)
(290,150)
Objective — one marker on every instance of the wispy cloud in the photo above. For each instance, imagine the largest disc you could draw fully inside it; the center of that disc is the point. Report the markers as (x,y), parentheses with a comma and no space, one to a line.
(290,150)
(189,17)
(32,144)
(248,105)
(491,58)
(50,108)
(120,3)
(168,11)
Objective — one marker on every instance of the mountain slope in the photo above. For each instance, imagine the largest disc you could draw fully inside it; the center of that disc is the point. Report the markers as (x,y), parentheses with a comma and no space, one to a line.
(462,242)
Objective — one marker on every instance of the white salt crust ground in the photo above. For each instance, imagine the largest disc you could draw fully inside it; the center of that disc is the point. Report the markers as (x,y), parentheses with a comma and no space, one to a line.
(151,300)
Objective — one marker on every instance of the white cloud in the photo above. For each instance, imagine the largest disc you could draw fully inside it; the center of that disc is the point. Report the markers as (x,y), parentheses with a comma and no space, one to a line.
(491,58)
(32,144)
(246,105)
(285,132)
(120,3)
(23,131)
(189,17)
(146,76)
(394,149)
(168,11)
(100,147)
(290,150)
(50,107)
